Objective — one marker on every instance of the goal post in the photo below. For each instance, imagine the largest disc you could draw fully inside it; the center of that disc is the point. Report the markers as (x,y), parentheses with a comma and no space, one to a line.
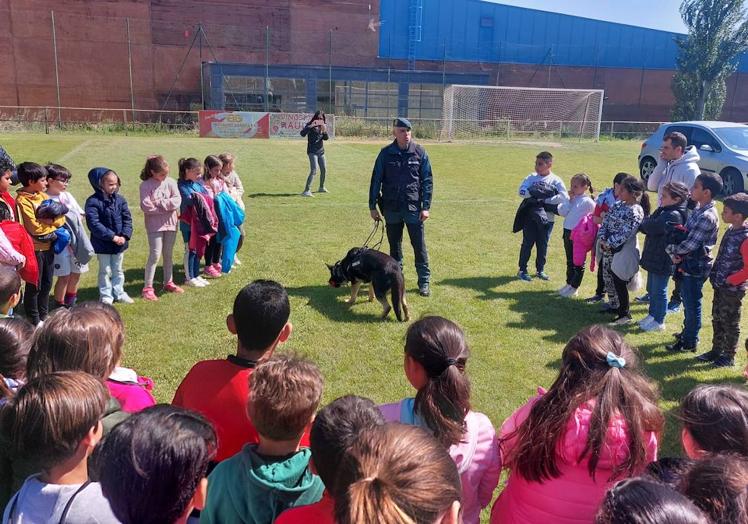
(484,112)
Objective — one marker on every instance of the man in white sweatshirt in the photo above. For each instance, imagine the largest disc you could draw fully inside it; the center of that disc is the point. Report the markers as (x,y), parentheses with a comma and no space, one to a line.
(678,163)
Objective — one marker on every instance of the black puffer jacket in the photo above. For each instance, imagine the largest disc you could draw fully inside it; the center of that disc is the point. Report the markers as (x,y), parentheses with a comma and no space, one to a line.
(655,227)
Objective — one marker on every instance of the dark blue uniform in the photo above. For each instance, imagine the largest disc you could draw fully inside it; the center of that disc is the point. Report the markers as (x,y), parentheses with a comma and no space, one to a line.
(403,184)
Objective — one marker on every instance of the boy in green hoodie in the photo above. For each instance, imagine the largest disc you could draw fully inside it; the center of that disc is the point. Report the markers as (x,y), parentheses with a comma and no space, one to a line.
(262,480)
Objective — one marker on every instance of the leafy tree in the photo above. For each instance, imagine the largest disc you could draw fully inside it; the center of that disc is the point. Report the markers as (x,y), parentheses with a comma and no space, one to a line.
(717,36)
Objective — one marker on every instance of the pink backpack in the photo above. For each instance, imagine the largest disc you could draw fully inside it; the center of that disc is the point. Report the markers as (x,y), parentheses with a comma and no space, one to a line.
(583,237)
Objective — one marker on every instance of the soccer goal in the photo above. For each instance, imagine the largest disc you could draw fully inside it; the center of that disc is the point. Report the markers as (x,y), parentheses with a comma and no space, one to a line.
(484,112)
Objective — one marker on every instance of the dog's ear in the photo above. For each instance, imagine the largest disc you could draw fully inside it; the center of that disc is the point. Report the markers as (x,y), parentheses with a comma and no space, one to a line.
(329,266)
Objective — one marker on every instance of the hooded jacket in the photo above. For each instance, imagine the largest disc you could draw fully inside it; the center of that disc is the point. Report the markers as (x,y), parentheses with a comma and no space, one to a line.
(21,241)
(573,497)
(230,218)
(249,488)
(684,170)
(476,456)
(107,216)
(655,227)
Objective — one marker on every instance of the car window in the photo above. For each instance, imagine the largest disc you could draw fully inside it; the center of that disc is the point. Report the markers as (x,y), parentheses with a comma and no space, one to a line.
(686,130)
(734,137)
(699,137)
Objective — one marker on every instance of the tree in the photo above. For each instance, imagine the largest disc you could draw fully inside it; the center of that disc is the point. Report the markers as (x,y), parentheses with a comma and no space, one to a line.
(717,36)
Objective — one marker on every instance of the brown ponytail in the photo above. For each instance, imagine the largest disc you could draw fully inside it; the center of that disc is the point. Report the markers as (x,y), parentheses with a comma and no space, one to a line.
(396,474)
(153,164)
(439,346)
(185,164)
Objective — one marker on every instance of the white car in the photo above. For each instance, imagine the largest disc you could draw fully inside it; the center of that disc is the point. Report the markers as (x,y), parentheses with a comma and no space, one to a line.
(723,147)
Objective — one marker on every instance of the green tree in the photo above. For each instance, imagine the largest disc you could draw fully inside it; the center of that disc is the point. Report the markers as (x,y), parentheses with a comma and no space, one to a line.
(717,36)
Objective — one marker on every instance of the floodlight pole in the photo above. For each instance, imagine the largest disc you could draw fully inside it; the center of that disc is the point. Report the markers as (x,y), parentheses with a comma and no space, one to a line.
(329,74)
(267,67)
(200,53)
(57,70)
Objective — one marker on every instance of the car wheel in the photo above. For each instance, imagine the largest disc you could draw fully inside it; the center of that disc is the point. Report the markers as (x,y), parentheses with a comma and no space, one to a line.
(646,166)
(732,180)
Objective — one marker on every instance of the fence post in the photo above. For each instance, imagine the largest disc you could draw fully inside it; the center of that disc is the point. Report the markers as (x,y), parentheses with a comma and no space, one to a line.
(612,125)
(46,122)
(57,72)
(129,65)
(124,119)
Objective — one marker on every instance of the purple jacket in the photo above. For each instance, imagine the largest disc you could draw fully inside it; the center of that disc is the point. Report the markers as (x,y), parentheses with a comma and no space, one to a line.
(477,456)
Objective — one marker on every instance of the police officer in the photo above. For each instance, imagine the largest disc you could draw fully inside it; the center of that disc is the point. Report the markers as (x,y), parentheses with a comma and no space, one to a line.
(402,184)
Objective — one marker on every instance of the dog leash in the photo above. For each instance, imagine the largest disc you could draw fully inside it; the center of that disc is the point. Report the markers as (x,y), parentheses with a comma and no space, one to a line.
(377,225)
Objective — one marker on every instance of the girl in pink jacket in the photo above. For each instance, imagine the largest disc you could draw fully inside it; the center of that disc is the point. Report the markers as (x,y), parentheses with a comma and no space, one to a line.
(598,423)
(435,357)
(160,201)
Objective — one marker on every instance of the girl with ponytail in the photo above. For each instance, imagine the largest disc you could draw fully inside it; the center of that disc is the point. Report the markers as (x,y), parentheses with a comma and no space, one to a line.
(436,354)
(597,424)
(397,474)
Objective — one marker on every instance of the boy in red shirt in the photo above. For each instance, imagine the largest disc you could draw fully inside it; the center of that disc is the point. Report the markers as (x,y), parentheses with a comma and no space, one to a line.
(219,389)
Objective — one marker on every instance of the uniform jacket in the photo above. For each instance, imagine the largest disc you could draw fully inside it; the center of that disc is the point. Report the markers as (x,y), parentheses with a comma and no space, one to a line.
(729,258)
(684,170)
(107,216)
(654,258)
(403,180)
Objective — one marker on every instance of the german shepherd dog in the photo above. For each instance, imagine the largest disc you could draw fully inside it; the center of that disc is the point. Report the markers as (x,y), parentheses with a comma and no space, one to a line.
(380,271)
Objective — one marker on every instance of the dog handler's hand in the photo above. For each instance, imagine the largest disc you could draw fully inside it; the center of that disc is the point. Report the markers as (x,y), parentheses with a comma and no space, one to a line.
(424,215)
(375,215)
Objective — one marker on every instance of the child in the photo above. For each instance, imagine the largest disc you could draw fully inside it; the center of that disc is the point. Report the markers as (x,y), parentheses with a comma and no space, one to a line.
(72,262)
(262,480)
(7,167)
(56,419)
(728,277)
(15,334)
(618,243)
(336,427)
(153,466)
(693,257)
(574,209)
(718,486)
(110,223)
(315,132)
(604,202)
(398,473)
(19,252)
(640,500)
(714,420)
(218,389)
(537,224)
(30,196)
(159,200)
(189,187)
(235,188)
(654,259)
(436,354)
(10,291)
(597,423)
(214,184)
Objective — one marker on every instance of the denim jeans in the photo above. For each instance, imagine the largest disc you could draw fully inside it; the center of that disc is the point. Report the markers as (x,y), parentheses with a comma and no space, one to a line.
(657,291)
(538,235)
(191,260)
(111,277)
(313,161)
(691,292)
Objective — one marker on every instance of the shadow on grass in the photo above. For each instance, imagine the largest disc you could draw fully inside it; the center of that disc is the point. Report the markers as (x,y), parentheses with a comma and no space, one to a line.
(484,285)
(134,280)
(328,301)
(269,195)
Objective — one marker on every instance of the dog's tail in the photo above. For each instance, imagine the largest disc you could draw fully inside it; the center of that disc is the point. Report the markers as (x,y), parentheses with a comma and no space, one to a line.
(398,297)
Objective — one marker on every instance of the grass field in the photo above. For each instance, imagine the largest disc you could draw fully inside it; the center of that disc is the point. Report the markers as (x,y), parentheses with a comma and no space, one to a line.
(516,330)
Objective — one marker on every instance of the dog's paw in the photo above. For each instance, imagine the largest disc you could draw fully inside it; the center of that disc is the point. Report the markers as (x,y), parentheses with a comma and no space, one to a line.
(371,297)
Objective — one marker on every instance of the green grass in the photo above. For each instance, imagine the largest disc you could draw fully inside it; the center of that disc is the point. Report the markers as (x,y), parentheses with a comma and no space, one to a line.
(516,330)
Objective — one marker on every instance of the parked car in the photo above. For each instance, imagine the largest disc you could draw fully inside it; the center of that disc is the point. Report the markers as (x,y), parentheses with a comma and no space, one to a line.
(723,147)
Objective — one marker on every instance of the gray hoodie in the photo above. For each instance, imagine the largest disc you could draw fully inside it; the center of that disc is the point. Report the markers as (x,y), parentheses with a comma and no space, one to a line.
(684,170)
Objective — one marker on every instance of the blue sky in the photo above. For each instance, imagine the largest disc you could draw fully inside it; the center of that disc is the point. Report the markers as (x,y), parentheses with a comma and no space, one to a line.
(662,14)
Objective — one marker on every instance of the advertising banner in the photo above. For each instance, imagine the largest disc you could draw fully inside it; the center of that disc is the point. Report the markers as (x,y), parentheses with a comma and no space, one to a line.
(234,124)
(288,125)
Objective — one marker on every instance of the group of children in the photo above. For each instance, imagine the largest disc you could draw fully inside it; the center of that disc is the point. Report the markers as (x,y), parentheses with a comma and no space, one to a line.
(244,439)
(42,234)
(680,236)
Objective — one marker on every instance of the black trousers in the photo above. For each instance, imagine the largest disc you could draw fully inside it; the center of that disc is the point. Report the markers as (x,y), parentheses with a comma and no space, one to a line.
(675,298)
(574,274)
(623,295)
(538,235)
(417,240)
(213,251)
(36,298)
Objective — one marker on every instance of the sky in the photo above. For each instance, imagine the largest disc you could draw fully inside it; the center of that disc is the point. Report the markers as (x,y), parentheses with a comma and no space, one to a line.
(662,14)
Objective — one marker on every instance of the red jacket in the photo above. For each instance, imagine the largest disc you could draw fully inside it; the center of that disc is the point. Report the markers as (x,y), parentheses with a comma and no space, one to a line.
(22,242)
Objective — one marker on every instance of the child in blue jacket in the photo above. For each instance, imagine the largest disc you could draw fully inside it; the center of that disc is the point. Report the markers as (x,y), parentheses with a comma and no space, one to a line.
(110,223)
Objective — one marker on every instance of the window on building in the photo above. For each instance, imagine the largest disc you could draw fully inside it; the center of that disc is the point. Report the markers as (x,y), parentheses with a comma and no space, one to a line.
(247,93)
(425,101)
(357,98)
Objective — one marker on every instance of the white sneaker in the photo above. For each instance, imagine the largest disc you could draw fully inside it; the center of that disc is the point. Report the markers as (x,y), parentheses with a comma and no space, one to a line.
(307,193)
(572,292)
(564,290)
(653,326)
(193,282)
(237,262)
(646,320)
(125,299)
(202,281)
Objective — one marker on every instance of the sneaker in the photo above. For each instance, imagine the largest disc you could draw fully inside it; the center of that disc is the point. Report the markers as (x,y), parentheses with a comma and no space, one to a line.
(106,300)
(653,326)
(542,275)
(723,361)
(571,292)
(563,290)
(124,298)
(524,275)
(679,346)
(193,282)
(673,307)
(644,299)
(210,272)
(171,287)
(646,320)
(202,281)
(307,193)
(322,190)
(607,308)
(424,290)
(149,294)
(217,266)
(237,262)
(709,356)
(594,299)
(622,320)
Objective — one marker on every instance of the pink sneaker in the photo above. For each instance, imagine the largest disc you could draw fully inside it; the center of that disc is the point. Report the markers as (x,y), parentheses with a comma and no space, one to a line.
(149,294)
(210,272)
(217,266)
(171,287)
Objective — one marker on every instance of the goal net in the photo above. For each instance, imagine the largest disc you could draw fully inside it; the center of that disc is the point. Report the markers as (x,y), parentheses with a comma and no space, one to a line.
(476,112)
